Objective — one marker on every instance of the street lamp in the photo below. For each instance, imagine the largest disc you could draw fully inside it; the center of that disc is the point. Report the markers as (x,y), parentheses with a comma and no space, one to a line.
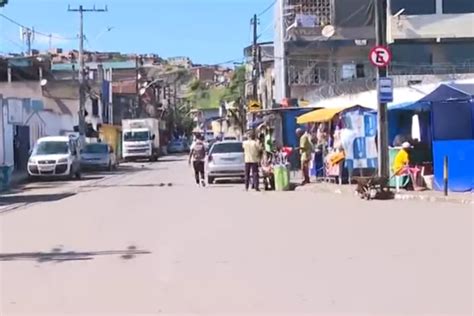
(142,91)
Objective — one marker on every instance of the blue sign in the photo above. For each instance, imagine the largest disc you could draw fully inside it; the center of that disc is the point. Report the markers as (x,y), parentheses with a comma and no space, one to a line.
(385,90)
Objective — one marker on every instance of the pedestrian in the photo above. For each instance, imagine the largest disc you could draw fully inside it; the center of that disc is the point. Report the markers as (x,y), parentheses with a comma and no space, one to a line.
(252,153)
(269,144)
(197,156)
(306,149)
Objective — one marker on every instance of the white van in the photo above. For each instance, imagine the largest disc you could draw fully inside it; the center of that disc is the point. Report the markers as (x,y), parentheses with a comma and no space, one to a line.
(55,156)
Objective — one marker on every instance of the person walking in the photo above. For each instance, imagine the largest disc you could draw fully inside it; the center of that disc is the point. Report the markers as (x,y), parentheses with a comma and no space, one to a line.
(252,153)
(197,156)
(306,149)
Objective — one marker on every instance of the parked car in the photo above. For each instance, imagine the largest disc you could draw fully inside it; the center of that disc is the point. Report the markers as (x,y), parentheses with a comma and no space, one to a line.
(98,156)
(225,160)
(177,146)
(56,156)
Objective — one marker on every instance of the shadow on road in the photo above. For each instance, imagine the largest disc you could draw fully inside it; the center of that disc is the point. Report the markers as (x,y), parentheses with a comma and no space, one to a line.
(123,185)
(33,198)
(59,255)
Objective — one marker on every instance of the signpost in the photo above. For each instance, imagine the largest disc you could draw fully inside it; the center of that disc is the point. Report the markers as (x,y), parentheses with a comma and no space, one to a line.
(380,56)
(385,90)
(254,106)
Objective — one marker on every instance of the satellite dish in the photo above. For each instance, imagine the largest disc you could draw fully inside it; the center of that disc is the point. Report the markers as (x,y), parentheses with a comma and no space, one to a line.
(328,31)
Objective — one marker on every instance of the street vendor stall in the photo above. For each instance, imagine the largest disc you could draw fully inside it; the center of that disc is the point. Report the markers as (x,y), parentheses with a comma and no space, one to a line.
(348,141)
(446,119)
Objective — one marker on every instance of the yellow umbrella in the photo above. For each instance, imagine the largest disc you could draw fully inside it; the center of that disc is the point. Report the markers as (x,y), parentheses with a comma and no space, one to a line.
(320,115)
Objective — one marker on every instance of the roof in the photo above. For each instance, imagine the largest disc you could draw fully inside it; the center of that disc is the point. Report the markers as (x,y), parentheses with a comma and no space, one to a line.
(326,114)
(321,115)
(466,88)
(446,92)
(93,65)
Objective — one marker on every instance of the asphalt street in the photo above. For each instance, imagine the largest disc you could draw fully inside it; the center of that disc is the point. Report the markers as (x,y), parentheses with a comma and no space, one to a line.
(146,240)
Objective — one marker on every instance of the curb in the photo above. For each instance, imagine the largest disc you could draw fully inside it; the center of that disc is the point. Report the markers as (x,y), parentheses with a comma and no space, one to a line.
(398,196)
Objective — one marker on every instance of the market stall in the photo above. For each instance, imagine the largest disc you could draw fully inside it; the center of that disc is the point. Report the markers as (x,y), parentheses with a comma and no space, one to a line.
(344,139)
(446,129)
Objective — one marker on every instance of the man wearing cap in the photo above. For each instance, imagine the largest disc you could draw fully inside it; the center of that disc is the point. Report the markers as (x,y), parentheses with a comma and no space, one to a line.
(306,149)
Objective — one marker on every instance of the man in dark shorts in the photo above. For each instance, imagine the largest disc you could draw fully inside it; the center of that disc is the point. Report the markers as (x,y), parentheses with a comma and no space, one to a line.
(198,157)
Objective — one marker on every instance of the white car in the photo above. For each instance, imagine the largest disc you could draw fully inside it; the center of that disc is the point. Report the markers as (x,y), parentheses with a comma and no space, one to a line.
(55,156)
(225,160)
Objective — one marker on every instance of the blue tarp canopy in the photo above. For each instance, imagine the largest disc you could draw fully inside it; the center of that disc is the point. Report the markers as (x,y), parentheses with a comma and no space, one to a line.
(451,130)
(450,92)
(444,93)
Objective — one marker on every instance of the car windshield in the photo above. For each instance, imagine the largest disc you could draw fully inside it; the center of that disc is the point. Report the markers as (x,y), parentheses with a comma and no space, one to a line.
(96,149)
(223,148)
(51,148)
(136,136)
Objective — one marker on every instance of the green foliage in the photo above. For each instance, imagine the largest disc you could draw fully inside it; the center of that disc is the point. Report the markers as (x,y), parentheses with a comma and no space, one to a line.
(203,97)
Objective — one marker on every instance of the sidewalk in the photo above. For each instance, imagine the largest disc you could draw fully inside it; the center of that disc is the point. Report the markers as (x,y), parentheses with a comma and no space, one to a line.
(428,196)
(17,178)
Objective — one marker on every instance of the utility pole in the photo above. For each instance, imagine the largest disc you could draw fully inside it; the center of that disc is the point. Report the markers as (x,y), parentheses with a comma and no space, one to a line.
(382,131)
(255,57)
(28,36)
(137,87)
(82,74)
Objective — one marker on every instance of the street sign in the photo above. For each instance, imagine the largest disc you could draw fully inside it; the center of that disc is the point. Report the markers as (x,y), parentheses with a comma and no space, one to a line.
(254,106)
(380,56)
(385,90)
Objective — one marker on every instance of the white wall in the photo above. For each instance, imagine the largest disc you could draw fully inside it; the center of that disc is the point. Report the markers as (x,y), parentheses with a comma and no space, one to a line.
(6,138)
(432,26)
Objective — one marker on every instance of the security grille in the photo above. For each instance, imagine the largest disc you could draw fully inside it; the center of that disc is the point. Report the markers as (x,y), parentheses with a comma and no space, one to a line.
(319,9)
(310,74)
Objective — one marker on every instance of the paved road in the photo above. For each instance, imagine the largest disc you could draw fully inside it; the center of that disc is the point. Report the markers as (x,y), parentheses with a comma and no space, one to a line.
(147,241)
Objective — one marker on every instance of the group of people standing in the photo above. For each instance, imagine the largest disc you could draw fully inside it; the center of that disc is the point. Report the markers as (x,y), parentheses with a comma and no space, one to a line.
(259,152)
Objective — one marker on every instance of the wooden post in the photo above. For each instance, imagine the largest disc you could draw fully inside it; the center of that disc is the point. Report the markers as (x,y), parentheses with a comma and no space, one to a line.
(445,175)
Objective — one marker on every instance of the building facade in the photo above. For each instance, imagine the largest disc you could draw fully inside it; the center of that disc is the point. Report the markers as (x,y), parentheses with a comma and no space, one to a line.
(322,46)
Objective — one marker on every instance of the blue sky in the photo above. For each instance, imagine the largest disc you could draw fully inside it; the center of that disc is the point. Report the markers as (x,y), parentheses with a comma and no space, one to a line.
(208,31)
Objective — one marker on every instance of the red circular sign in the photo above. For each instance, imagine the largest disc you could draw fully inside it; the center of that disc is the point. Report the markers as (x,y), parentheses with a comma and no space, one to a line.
(380,56)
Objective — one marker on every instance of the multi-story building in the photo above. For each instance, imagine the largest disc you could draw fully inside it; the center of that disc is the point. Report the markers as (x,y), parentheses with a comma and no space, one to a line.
(265,74)
(322,46)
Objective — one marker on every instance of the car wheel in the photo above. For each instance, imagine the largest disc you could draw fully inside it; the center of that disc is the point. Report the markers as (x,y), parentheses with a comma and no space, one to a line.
(210,180)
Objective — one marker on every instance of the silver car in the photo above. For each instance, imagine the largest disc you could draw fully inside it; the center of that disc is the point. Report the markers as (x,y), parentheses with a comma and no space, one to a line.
(98,156)
(225,160)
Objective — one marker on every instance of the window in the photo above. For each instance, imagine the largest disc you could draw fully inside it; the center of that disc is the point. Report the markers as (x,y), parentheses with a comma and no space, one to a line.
(223,148)
(458,6)
(414,7)
(309,73)
(310,13)
(360,71)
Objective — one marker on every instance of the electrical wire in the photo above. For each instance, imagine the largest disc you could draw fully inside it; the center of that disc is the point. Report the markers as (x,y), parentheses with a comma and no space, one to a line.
(267,9)
(35,31)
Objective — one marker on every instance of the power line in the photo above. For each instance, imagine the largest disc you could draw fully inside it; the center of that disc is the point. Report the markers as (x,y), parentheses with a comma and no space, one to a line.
(35,31)
(267,9)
